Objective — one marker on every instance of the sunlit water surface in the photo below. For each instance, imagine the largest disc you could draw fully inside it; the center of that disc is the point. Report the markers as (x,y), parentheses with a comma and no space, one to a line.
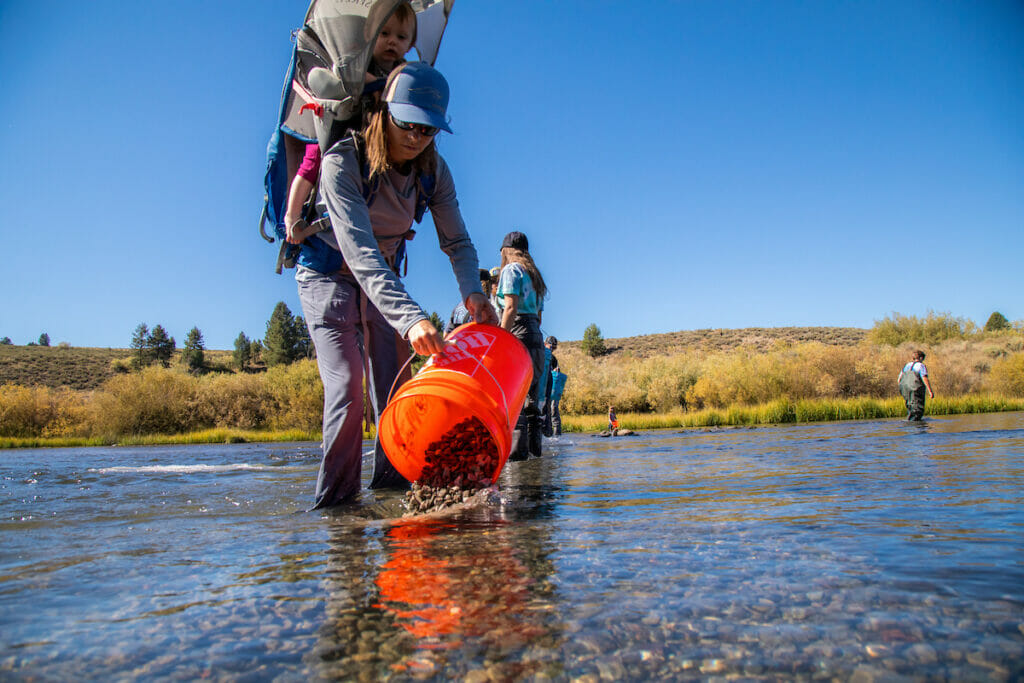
(865,550)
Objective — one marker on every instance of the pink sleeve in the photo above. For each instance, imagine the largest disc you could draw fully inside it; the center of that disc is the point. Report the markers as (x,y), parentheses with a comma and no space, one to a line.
(310,166)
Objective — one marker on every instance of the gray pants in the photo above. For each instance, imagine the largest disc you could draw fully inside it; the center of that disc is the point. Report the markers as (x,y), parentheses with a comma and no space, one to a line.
(555,417)
(339,318)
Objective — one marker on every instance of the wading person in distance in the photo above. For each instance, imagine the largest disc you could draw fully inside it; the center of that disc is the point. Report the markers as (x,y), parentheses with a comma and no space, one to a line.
(352,297)
(913,381)
(553,410)
(520,298)
(550,364)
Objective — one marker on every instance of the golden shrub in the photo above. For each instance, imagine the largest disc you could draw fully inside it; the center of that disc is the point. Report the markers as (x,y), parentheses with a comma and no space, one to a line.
(40,411)
(153,401)
(1007,376)
(294,396)
(232,401)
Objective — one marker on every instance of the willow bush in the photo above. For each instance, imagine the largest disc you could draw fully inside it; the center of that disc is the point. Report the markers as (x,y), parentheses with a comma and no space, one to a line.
(27,412)
(240,401)
(934,328)
(295,396)
(154,400)
(1007,376)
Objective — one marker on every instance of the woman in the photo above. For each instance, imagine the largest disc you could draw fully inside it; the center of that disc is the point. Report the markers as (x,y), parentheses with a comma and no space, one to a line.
(521,292)
(352,298)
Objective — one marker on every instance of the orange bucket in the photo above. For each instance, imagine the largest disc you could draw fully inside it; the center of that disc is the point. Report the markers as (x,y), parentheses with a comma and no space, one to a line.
(484,372)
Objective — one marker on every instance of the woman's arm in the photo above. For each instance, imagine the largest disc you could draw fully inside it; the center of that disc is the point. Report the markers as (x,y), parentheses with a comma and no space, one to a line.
(509,314)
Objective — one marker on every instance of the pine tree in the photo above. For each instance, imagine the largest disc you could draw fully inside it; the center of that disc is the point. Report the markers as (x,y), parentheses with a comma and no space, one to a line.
(243,351)
(303,344)
(6,341)
(192,352)
(140,346)
(161,346)
(255,351)
(997,321)
(44,339)
(438,323)
(281,338)
(593,342)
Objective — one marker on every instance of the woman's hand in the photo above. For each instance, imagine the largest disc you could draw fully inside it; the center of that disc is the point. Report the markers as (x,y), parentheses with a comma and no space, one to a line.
(298,231)
(425,339)
(481,310)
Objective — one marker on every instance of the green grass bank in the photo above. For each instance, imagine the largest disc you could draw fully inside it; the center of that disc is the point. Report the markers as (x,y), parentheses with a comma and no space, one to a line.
(773,413)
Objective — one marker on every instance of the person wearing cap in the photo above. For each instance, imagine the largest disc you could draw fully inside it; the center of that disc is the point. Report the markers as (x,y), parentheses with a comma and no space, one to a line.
(521,292)
(460,314)
(355,305)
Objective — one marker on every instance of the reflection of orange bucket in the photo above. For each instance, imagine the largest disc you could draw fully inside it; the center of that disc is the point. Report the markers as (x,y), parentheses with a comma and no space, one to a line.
(484,373)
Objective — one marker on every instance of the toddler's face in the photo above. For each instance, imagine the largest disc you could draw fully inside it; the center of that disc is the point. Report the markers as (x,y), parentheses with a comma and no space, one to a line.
(394,41)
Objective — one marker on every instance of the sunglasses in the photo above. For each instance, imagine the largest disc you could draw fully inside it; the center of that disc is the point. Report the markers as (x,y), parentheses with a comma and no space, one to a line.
(426,131)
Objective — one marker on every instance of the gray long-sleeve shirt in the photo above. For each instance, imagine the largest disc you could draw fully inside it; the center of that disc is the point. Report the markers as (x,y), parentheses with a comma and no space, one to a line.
(368,237)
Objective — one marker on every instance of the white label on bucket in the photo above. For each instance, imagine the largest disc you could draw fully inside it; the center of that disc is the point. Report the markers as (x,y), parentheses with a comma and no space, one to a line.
(458,350)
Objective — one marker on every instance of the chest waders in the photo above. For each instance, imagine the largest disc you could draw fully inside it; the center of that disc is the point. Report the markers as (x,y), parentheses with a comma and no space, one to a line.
(913,391)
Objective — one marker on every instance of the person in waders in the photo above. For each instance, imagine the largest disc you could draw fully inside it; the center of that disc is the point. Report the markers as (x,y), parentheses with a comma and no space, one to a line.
(913,381)
(521,291)
(554,411)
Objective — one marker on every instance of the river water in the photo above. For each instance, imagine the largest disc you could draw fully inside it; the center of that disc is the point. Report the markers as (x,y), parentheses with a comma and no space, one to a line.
(857,550)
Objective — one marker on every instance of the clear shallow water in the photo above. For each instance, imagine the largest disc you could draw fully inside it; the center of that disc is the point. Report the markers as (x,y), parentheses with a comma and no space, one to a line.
(858,549)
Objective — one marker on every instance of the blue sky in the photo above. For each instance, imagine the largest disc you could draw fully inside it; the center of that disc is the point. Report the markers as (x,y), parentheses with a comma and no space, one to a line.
(676,165)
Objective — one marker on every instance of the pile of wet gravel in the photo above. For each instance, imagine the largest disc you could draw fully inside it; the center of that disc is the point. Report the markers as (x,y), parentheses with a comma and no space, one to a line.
(458,465)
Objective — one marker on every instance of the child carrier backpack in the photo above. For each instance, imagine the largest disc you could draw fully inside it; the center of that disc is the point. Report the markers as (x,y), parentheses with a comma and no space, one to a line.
(321,98)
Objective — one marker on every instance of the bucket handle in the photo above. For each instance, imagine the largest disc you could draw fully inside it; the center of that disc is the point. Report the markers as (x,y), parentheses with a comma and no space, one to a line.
(504,399)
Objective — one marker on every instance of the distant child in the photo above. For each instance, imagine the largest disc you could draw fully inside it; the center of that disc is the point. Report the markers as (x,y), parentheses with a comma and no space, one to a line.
(396,38)
(613,421)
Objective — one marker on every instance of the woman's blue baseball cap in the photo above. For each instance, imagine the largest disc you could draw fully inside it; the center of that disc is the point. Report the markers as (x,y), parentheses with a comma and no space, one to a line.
(418,93)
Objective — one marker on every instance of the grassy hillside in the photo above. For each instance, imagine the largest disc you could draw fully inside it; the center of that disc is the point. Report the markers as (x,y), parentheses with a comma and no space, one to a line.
(756,338)
(54,366)
(76,368)
(88,368)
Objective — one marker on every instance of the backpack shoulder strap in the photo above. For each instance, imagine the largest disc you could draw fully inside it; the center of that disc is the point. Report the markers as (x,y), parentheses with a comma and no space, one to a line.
(425,186)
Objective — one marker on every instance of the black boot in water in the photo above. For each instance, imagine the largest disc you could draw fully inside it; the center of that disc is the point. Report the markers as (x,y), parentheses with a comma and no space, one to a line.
(519,441)
(533,435)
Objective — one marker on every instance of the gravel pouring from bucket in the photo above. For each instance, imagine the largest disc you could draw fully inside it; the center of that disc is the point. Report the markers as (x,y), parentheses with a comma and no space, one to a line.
(483,373)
